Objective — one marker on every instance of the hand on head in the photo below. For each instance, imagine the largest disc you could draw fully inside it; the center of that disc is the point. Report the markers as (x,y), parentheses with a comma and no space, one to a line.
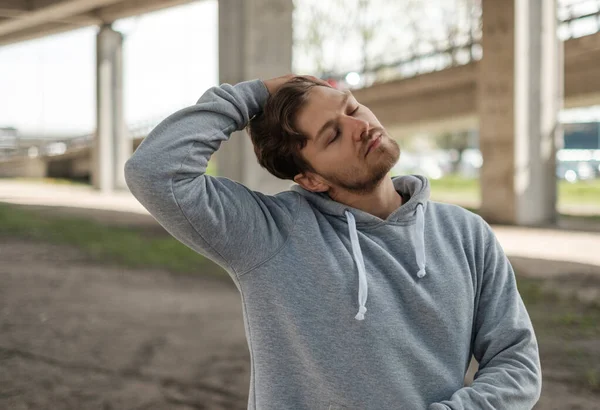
(275,83)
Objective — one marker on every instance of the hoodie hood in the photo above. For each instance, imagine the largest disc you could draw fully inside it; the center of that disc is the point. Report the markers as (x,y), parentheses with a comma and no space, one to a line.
(414,187)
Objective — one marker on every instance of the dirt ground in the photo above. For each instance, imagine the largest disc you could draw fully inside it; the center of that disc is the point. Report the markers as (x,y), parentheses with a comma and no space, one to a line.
(75,334)
(78,335)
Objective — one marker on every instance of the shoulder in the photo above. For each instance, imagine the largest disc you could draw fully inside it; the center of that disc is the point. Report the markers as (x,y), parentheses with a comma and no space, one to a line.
(455,220)
(451,212)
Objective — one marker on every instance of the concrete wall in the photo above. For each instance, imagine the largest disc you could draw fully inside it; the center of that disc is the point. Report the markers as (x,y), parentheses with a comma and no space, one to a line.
(23,167)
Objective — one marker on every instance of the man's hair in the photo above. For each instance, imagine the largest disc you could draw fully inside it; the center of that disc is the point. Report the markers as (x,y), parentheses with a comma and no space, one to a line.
(274,132)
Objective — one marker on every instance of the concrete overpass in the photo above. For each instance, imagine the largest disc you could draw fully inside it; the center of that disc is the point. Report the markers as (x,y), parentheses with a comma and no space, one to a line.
(436,102)
(514,92)
(447,100)
(22,20)
(255,41)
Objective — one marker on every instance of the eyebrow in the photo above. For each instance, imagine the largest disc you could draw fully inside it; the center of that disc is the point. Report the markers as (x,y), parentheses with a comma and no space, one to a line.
(332,121)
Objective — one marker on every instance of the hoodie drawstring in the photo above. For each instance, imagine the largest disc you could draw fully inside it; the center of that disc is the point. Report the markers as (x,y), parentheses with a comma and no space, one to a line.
(420,242)
(360,263)
(362,275)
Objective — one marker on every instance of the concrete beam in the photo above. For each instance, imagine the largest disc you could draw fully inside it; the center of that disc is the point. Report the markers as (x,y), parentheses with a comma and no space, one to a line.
(80,20)
(42,30)
(24,167)
(447,100)
(429,98)
(112,145)
(53,12)
(102,15)
(255,41)
(130,8)
(520,94)
(15,5)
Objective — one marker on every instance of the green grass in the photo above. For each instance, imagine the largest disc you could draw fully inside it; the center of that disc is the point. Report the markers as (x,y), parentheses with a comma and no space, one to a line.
(581,192)
(125,246)
(455,183)
(568,332)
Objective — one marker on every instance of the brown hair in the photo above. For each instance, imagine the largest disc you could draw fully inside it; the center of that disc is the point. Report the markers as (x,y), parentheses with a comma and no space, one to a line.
(275,136)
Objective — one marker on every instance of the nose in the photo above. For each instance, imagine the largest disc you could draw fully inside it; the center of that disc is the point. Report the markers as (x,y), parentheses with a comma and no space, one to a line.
(359,128)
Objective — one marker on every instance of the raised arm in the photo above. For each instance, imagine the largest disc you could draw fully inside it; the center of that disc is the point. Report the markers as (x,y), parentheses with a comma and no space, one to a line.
(236,227)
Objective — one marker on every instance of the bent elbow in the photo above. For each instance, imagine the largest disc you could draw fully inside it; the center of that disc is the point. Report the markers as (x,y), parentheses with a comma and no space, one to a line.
(134,172)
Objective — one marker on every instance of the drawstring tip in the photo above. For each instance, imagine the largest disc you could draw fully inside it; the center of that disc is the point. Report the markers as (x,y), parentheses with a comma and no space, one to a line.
(361,313)
(421,272)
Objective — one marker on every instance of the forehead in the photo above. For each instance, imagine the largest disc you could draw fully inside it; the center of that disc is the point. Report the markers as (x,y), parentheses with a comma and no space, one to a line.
(322,104)
(320,98)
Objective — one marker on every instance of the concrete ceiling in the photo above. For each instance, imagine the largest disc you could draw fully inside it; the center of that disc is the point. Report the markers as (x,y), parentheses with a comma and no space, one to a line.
(22,20)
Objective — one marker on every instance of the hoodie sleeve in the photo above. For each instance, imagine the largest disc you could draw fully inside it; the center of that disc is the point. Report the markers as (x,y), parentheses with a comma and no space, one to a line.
(504,342)
(221,219)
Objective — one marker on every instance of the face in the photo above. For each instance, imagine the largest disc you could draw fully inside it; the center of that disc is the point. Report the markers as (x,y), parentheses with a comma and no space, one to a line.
(347,146)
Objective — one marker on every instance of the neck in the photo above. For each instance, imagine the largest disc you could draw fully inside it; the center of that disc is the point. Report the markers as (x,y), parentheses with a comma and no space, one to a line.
(381,202)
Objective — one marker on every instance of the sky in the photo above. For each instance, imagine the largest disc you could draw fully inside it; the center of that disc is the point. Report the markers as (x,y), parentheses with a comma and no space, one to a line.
(170,57)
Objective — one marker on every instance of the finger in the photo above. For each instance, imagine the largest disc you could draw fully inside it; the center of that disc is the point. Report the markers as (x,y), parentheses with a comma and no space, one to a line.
(318,80)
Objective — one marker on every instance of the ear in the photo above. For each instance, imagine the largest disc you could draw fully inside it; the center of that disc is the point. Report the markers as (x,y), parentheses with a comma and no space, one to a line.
(311,182)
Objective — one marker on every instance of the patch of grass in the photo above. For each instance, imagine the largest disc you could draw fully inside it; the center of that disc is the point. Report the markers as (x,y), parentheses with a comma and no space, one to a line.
(455,183)
(125,246)
(211,168)
(530,290)
(581,192)
(592,377)
(568,333)
(578,193)
(565,312)
(585,323)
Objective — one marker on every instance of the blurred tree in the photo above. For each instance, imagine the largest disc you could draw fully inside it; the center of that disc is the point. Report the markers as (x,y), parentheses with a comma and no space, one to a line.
(456,141)
(345,35)
(313,28)
(339,36)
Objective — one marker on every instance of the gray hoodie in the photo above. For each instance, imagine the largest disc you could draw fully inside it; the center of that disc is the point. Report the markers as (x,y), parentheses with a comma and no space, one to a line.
(344,310)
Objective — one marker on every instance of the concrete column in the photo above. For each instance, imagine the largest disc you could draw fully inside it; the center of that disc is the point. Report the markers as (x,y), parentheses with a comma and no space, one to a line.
(520,94)
(112,145)
(255,41)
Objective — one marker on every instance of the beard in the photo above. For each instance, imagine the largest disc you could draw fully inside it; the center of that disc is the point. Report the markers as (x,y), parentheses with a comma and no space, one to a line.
(364,179)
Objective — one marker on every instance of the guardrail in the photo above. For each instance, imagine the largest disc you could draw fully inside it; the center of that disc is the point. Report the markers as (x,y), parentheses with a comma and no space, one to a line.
(60,146)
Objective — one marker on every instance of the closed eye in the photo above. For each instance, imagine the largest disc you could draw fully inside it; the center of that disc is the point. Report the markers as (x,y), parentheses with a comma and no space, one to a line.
(337,134)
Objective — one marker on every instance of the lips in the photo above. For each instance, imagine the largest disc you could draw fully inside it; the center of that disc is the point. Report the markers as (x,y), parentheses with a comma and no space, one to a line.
(374,141)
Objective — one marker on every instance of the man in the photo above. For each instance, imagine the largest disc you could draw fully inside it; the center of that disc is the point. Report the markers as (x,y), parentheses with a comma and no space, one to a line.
(357,291)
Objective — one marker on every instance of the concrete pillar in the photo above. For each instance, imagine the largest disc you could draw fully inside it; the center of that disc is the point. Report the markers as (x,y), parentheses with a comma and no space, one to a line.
(520,94)
(255,41)
(112,145)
